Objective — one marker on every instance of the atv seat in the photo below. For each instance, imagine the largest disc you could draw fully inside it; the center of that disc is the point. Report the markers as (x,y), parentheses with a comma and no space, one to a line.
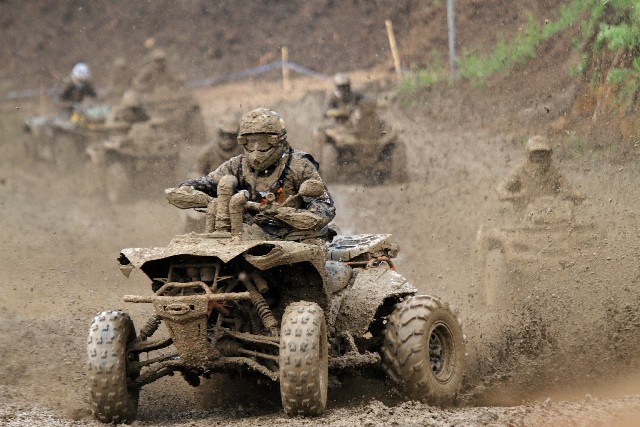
(347,248)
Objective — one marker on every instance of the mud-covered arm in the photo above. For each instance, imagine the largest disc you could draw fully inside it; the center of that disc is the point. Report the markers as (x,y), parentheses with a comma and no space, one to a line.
(511,187)
(330,105)
(89,91)
(142,81)
(565,190)
(72,94)
(209,183)
(314,212)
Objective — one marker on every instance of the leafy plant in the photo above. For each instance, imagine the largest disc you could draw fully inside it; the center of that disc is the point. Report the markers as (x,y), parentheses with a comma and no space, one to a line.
(618,30)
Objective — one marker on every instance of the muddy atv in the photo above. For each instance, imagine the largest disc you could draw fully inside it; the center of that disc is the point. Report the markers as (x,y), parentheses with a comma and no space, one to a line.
(143,160)
(546,238)
(63,141)
(234,301)
(181,111)
(360,147)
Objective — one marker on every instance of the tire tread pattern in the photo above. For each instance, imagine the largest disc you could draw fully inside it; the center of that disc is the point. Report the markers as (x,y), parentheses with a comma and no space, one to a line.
(303,360)
(111,400)
(405,350)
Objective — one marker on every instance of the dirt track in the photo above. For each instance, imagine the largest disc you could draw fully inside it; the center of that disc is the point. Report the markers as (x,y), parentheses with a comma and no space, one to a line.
(578,334)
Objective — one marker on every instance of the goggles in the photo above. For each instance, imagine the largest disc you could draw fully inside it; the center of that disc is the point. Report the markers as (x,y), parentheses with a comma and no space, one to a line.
(227,134)
(258,141)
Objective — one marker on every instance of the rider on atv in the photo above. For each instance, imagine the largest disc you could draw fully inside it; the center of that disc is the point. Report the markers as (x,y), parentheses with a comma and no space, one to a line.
(535,178)
(342,101)
(270,170)
(77,87)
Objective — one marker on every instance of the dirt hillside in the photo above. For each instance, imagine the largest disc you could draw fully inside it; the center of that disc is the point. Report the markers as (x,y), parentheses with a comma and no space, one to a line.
(42,39)
(563,351)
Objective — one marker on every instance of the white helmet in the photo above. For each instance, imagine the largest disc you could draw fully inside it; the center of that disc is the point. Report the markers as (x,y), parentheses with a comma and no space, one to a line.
(341,79)
(81,72)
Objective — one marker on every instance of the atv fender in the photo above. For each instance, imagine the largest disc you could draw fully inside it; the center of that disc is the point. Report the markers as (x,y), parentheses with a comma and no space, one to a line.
(372,287)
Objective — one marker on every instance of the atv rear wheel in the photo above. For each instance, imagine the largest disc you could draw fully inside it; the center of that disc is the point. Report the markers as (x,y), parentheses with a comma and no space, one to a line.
(423,350)
(304,360)
(399,163)
(112,399)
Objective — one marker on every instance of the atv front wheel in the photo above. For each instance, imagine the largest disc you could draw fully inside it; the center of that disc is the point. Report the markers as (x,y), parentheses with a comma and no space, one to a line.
(116,182)
(112,399)
(329,163)
(423,350)
(304,360)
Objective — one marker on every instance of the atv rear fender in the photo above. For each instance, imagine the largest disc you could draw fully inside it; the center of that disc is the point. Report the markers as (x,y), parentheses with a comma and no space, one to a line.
(374,287)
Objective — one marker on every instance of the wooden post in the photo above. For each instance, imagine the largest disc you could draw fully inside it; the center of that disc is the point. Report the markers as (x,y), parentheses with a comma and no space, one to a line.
(286,84)
(393,46)
(451,25)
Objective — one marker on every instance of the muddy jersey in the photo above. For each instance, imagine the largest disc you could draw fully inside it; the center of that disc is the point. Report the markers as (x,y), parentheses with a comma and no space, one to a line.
(347,103)
(74,94)
(151,77)
(283,179)
(528,182)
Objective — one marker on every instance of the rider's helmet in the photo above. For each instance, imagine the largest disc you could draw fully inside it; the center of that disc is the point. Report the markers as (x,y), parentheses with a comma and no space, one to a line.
(158,55)
(228,132)
(341,79)
(81,73)
(538,143)
(342,84)
(263,137)
(538,149)
(159,59)
(131,99)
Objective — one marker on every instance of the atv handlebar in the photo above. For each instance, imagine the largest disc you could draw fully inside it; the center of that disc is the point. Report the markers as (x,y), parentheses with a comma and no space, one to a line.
(225,213)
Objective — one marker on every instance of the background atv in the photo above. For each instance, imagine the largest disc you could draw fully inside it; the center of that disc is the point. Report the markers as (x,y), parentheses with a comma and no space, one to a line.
(234,301)
(130,164)
(547,237)
(63,141)
(361,147)
(180,111)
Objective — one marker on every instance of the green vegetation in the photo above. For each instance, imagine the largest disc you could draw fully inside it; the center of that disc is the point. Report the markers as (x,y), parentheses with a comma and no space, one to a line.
(610,37)
(614,25)
(618,31)
(506,54)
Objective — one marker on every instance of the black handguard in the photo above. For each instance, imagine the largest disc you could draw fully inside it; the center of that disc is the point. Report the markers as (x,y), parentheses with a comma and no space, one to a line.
(203,184)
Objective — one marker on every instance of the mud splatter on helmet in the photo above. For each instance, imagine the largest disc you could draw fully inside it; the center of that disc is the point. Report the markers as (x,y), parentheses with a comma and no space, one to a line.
(229,125)
(262,120)
(538,143)
(158,55)
(263,137)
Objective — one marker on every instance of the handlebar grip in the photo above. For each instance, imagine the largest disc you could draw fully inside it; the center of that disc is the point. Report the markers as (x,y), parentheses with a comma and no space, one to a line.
(252,206)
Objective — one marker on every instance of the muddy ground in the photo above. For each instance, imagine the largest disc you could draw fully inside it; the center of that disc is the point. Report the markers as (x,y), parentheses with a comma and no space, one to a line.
(564,352)
(564,349)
